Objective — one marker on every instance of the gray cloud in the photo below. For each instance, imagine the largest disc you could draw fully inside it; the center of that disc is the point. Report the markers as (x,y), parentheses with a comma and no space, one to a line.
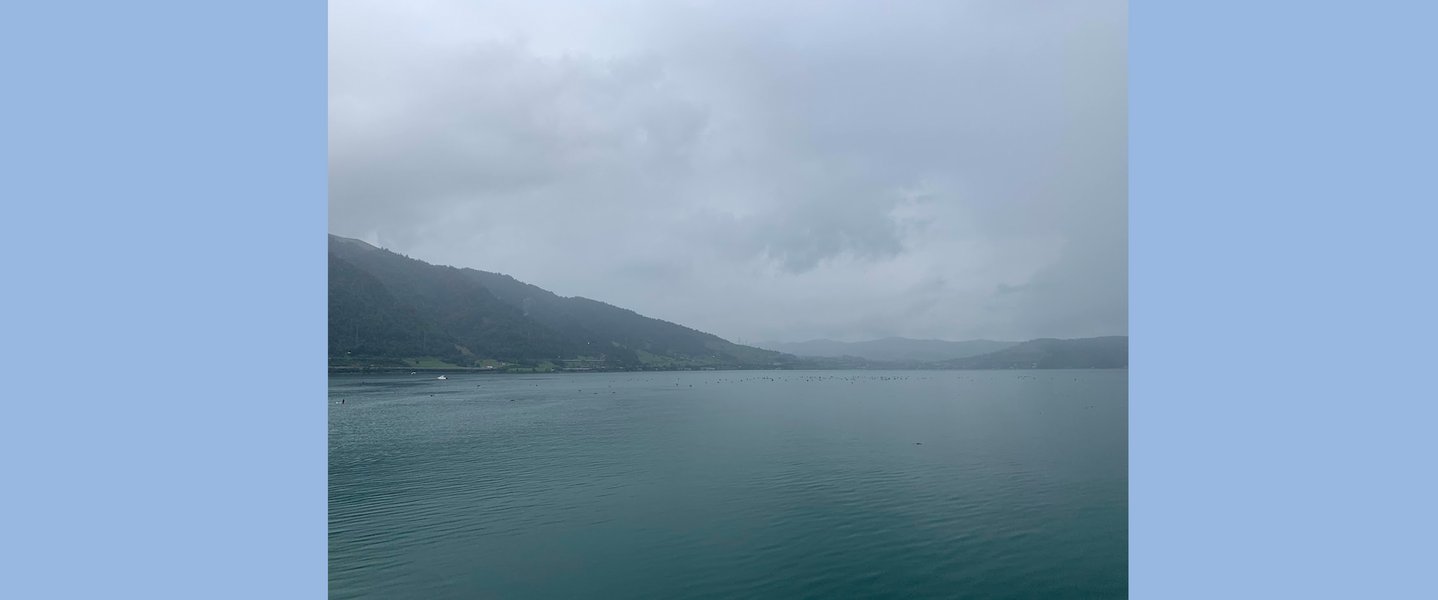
(843,170)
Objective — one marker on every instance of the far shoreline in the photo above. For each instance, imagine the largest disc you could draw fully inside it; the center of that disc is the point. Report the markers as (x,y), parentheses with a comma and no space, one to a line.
(478,371)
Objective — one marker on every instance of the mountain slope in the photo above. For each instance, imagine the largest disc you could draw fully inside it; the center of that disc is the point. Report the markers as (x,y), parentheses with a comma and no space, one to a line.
(1048,353)
(365,319)
(466,316)
(894,349)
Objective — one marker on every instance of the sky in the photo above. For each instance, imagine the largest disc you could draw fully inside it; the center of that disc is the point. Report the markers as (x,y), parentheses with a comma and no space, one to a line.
(763,171)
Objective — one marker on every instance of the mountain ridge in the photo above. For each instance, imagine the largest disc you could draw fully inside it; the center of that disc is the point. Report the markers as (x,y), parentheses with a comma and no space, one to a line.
(465,317)
(1108,352)
(390,311)
(890,349)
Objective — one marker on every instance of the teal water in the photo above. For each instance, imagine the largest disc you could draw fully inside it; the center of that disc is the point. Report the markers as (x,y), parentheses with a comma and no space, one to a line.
(780,484)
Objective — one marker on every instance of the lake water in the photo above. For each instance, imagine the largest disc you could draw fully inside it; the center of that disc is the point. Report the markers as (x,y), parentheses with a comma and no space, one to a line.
(739,484)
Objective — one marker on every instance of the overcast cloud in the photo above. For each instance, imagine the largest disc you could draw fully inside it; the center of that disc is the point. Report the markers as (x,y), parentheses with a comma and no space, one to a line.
(759,170)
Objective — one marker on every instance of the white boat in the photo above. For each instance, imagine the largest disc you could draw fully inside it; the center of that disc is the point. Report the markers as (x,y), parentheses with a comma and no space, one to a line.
(441,377)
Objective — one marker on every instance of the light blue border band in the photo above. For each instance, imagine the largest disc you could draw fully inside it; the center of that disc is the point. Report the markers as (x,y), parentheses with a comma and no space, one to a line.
(163,192)
(1282,264)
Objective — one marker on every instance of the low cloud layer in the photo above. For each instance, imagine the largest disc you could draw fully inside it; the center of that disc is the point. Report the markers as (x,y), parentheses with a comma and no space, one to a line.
(844,170)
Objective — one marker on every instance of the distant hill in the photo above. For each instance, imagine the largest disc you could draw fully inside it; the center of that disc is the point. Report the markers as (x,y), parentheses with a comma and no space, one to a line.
(392,310)
(893,349)
(1048,353)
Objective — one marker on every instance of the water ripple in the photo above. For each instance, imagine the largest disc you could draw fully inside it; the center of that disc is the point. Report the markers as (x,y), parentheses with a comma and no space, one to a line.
(774,485)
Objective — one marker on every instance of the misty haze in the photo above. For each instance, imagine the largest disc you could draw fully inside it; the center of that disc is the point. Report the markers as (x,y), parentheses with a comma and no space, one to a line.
(728,299)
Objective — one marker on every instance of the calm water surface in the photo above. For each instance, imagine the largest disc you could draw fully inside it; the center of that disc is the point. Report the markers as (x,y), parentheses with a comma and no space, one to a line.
(781,484)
